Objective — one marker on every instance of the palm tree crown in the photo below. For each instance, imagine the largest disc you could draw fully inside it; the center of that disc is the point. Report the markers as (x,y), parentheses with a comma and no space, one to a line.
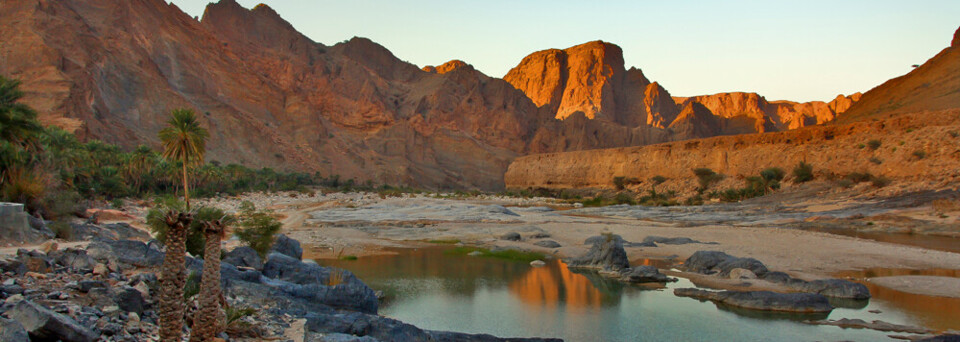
(18,122)
(184,140)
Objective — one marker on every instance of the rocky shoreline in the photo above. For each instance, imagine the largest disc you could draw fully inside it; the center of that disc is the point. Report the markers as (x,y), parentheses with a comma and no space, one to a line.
(105,292)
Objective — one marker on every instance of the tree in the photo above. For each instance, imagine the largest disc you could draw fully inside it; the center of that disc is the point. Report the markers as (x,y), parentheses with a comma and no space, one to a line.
(206,323)
(18,122)
(803,172)
(706,177)
(184,140)
(173,276)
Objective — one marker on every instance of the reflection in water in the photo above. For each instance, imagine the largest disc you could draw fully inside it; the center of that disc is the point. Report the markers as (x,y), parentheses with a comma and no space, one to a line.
(940,243)
(939,313)
(483,295)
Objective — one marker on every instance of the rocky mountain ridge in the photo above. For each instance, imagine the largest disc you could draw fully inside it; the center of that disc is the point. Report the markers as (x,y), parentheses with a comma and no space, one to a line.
(271,97)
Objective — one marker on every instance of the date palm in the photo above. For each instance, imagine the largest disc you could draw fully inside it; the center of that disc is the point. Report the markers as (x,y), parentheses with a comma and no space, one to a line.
(18,122)
(173,275)
(207,322)
(184,140)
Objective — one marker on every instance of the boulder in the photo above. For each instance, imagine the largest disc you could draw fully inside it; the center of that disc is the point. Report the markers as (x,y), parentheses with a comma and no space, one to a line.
(288,246)
(777,277)
(45,325)
(511,236)
(286,268)
(129,299)
(945,337)
(750,264)
(645,274)
(244,256)
(387,329)
(709,262)
(547,244)
(85,286)
(538,263)
(837,288)
(606,255)
(40,226)
(74,259)
(12,331)
(741,273)
(763,300)
(351,294)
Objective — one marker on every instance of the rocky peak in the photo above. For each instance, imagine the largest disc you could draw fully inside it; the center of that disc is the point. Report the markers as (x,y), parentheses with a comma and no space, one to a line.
(448,67)
(257,28)
(695,121)
(956,38)
(660,108)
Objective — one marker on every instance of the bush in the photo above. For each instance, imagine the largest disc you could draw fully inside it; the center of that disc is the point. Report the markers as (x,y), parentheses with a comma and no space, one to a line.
(706,177)
(874,144)
(192,286)
(623,198)
(619,182)
(257,230)
(876,160)
(803,172)
(880,182)
(195,238)
(920,154)
(62,230)
(859,177)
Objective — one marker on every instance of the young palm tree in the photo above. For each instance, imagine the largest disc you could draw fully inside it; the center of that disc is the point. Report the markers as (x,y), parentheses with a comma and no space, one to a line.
(206,322)
(184,141)
(173,276)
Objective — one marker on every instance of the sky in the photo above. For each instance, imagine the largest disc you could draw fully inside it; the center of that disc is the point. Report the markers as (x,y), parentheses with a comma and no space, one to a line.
(784,50)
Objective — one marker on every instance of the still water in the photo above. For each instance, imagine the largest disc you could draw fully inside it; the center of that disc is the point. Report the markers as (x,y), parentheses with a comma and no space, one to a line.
(432,290)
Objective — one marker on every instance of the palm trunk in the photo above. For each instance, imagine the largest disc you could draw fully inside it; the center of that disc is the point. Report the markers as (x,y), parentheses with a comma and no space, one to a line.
(186,191)
(173,277)
(206,323)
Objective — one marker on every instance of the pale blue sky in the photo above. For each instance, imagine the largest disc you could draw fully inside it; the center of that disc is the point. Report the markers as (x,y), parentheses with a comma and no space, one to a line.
(802,51)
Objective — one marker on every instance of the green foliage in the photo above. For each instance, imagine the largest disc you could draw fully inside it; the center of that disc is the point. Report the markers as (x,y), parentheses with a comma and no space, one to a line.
(874,144)
(880,181)
(602,201)
(192,286)
(18,122)
(875,160)
(257,229)
(920,154)
(62,230)
(954,134)
(658,199)
(706,177)
(349,257)
(444,242)
(803,172)
(234,314)
(619,182)
(859,177)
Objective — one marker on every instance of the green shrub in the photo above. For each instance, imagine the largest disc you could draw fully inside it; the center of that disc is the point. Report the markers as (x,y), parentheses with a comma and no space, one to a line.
(920,154)
(705,177)
(623,198)
(874,144)
(195,237)
(953,134)
(619,182)
(62,230)
(349,257)
(192,286)
(257,230)
(876,160)
(803,172)
(880,182)
(861,146)
(859,177)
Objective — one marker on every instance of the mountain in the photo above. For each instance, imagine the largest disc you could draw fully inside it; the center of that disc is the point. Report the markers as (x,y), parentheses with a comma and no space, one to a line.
(272,97)
(934,85)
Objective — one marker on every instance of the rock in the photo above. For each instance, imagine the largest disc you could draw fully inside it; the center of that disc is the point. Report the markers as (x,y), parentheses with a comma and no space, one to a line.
(511,236)
(740,273)
(475,253)
(288,246)
(337,337)
(547,244)
(49,246)
(12,331)
(945,337)
(777,277)
(669,241)
(34,261)
(645,274)
(14,299)
(143,289)
(606,255)
(100,269)
(74,259)
(133,252)
(85,286)
(129,299)
(837,288)
(538,263)
(43,324)
(244,256)
(11,289)
(763,300)
(387,329)
(709,262)
(875,325)
(352,294)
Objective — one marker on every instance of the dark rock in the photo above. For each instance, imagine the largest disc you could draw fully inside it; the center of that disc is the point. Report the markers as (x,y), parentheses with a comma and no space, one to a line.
(284,267)
(34,261)
(244,256)
(40,226)
(705,261)
(547,244)
(511,236)
(44,325)
(338,337)
(85,286)
(350,295)
(645,274)
(874,325)
(837,288)
(777,277)
(288,246)
(606,255)
(150,279)
(12,289)
(360,324)
(128,299)
(942,338)
(124,231)
(229,273)
(751,264)
(12,331)
(593,240)
(669,241)
(136,253)
(539,235)
(763,300)
(74,259)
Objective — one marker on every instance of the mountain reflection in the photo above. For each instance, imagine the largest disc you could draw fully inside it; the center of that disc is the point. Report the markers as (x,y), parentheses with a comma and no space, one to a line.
(555,285)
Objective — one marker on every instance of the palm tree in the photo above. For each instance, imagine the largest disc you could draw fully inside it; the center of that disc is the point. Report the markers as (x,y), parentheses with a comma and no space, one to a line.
(18,122)
(206,322)
(173,275)
(184,141)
